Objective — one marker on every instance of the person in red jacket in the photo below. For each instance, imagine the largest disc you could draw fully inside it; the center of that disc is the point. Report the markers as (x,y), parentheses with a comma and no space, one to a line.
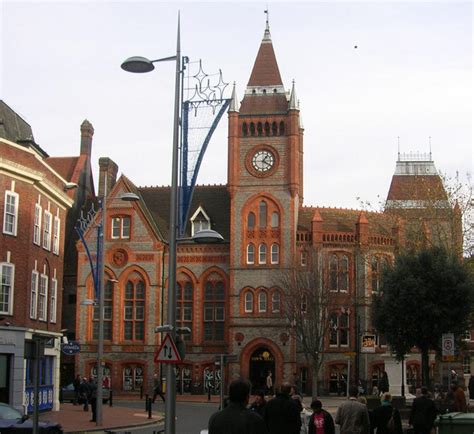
(321,422)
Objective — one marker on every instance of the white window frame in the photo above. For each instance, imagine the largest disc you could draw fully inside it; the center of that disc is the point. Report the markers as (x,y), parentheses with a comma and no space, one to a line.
(117,227)
(262,301)
(199,221)
(53,306)
(250,254)
(56,234)
(304,258)
(37,225)
(275,254)
(47,223)
(248,302)
(34,294)
(262,253)
(4,266)
(276,300)
(9,214)
(43,298)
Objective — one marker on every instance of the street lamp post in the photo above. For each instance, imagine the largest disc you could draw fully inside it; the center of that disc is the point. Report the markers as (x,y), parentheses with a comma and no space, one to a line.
(140,65)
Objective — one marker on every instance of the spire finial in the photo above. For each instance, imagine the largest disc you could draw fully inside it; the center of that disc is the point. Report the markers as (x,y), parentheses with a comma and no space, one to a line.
(233,103)
(266,36)
(398,139)
(293,100)
(429,140)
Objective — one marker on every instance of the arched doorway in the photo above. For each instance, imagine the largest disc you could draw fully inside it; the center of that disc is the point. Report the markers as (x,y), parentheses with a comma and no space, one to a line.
(261,363)
(338,379)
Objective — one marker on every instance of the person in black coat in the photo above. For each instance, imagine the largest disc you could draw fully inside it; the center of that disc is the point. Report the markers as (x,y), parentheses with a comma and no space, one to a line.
(258,406)
(471,387)
(423,413)
(382,415)
(281,413)
(321,419)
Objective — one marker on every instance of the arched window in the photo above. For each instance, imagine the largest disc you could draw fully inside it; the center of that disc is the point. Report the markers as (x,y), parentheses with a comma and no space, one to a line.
(262,254)
(184,306)
(108,298)
(251,220)
(304,258)
(245,130)
(375,273)
(276,302)
(282,128)
(343,284)
(259,128)
(267,129)
(214,310)
(274,129)
(250,254)
(262,214)
(248,302)
(262,301)
(333,273)
(132,377)
(339,330)
(134,310)
(252,129)
(275,220)
(275,253)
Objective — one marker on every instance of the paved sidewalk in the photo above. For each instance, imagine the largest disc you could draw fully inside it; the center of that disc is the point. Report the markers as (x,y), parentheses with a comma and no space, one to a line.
(74,419)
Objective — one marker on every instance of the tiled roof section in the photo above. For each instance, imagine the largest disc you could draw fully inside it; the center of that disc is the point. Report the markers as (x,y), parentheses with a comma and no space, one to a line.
(214,199)
(421,187)
(65,166)
(265,70)
(264,104)
(344,220)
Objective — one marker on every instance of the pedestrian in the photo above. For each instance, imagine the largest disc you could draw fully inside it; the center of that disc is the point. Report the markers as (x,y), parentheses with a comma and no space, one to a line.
(77,389)
(384,385)
(320,422)
(282,415)
(439,398)
(269,384)
(157,388)
(459,396)
(297,398)
(258,405)
(352,415)
(386,418)
(84,393)
(92,398)
(471,387)
(423,413)
(236,418)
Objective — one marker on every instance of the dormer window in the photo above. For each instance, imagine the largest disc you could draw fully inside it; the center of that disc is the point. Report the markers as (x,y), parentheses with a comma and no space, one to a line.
(200,221)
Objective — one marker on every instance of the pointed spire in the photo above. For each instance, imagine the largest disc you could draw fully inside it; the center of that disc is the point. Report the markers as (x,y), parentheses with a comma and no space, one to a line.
(266,36)
(234,105)
(293,101)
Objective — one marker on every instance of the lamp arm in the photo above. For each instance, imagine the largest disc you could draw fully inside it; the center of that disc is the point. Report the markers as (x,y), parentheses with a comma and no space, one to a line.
(164,59)
(91,263)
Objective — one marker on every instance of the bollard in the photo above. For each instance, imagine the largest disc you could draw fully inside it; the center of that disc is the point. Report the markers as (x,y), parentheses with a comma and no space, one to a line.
(149,408)
(146,402)
(209,393)
(110,398)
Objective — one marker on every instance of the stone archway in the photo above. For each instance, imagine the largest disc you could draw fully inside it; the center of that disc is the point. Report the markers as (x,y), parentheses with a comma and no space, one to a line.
(261,363)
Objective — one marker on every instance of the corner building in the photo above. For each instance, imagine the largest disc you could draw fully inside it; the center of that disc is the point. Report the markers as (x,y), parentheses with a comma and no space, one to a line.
(227,293)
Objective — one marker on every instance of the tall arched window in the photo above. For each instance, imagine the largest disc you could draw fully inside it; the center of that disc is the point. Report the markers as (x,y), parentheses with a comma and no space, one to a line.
(333,273)
(262,214)
(250,254)
(343,284)
(262,254)
(276,301)
(251,220)
(267,129)
(282,128)
(275,220)
(184,306)
(245,130)
(214,310)
(248,302)
(134,310)
(252,129)
(262,301)
(275,253)
(274,129)
(108,311)
(259,128)
(132,377)
(375,273)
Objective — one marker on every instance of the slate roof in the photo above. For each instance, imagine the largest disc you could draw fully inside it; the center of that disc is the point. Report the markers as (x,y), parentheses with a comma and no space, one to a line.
(214,199)
(418,187)
(65,166)
(264,104)
(265,70)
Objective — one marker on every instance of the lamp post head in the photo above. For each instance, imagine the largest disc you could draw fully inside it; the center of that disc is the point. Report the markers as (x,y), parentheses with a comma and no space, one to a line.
(137,64)
(130,197)
(207,236)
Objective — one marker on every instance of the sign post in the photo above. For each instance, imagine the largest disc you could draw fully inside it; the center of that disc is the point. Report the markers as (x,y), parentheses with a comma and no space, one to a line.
(447,348)
(167,353)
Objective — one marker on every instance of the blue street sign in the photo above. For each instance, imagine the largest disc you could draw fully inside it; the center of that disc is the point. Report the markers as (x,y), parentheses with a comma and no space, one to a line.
(71,348)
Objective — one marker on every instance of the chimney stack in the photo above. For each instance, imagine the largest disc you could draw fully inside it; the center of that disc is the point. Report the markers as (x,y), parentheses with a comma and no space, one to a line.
(87,131)
(107,175)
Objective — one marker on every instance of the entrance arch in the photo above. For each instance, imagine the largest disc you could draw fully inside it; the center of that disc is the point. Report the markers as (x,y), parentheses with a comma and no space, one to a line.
(261,363)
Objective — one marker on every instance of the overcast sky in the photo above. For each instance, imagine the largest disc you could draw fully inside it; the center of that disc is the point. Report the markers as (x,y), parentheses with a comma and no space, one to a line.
(410,76)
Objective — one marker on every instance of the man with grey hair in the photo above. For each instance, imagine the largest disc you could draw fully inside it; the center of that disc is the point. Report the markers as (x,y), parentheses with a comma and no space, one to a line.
(282,415)
(352,416)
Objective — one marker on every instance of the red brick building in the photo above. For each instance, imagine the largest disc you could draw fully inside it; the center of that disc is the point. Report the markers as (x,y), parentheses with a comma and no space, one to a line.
(228,294)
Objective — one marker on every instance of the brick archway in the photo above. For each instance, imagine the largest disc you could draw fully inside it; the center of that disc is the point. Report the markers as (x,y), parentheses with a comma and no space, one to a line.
(252,346)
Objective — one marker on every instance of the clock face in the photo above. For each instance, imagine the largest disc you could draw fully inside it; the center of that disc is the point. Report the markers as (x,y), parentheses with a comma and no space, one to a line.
(263,161)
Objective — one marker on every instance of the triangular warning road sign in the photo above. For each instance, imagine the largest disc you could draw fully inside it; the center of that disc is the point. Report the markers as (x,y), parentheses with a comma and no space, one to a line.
(167,353)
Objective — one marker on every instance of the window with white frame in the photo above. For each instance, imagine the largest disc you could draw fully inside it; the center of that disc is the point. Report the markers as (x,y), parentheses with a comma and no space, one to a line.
(56,232)
(53,300)
(248,302)
(37,225)
(275,253)
(7,278)
(47,230)
(121,227)
(339,330)
(304,258)
(262,254)
(42,298)
(10,216)
(34,294)
(200,221)
(262,301)
(250,254)
(276,302)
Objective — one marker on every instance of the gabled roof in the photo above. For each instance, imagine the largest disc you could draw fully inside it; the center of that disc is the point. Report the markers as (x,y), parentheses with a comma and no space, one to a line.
(65,166)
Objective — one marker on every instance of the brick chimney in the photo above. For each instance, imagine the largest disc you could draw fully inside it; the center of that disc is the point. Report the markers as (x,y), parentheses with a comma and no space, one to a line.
(87,131)
(362,229)
(107,175)
(317,228)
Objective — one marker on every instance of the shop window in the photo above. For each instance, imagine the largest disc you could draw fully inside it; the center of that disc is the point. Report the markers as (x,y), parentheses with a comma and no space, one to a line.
(132,377)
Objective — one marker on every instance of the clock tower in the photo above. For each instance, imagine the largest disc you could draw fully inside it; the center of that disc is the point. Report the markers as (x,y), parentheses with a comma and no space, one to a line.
(265,171)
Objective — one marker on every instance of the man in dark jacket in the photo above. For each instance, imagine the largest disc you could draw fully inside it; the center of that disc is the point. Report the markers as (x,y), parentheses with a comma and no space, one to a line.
(281,413)
(259,404)
(423,413)
(320,419)
(236,418)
